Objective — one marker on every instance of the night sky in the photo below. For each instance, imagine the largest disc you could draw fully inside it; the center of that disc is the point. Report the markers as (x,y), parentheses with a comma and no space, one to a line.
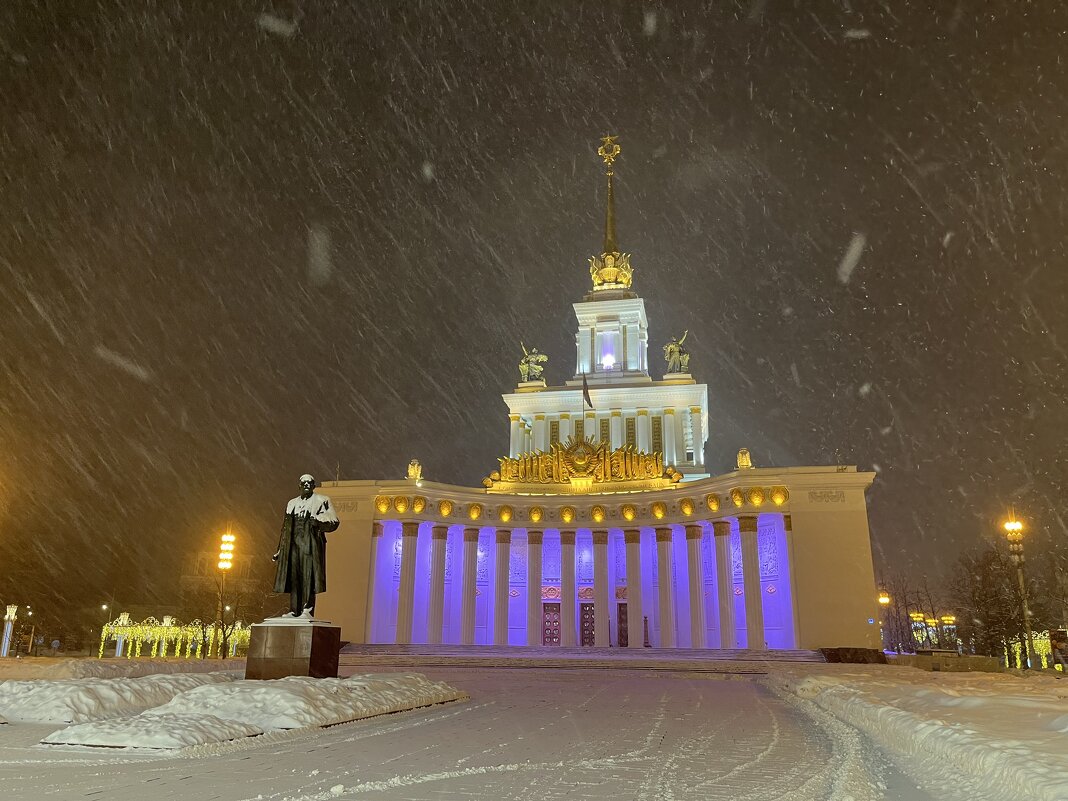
(240,241)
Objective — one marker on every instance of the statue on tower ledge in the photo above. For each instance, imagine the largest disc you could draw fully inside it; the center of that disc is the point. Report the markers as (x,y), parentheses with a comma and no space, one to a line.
(530,366)
(678,360)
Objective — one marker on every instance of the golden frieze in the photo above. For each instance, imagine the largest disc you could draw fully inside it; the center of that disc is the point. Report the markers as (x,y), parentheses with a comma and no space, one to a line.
(582,465)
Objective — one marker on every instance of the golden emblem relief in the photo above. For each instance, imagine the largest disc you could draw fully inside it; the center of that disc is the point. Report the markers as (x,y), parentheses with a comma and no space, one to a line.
(584,465)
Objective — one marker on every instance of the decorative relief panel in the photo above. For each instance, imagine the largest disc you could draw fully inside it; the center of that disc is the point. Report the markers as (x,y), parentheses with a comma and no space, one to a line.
(584,563)
(550,593)
(827,496)
(346,506)
(621,560)
(513,593)
(485,556)
(707,552)
(517,561)
(768,551)
(621,593)
(632,436)
(736,555)
(550,559)
(397,549)
(450,557)
(585,594)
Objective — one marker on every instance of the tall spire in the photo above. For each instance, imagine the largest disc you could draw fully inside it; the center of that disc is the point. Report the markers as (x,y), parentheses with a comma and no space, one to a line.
(610,270)
(609,151)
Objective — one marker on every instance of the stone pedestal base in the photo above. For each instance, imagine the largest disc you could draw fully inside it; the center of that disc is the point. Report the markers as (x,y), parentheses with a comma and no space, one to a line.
(282,647)
(531,386)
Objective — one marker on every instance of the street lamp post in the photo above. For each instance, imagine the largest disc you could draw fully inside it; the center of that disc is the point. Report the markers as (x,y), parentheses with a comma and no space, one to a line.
(1014,534)
(226,562)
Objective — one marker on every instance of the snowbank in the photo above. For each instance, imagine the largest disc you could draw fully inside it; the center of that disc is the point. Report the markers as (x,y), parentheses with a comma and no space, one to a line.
(159,731)
(86,668)
(80,700)
(297,702)
(966,735)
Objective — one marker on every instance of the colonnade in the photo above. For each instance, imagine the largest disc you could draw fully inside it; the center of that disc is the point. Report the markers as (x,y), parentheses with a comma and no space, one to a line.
(693,569)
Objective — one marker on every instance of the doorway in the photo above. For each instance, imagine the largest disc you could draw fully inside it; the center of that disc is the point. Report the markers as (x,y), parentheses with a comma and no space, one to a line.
(550,624)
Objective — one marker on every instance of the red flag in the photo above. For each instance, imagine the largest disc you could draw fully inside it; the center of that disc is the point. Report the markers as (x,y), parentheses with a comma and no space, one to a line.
(586,391)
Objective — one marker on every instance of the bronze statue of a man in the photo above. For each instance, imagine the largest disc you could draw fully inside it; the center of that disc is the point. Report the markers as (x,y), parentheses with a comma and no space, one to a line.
(301,554)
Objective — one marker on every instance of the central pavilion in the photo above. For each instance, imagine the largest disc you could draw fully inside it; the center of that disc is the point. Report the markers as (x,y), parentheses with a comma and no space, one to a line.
(601,526)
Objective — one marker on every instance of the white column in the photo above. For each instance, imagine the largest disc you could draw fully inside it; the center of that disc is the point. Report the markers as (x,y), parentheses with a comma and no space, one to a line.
(788,528)
(721,530)
(645,433)
(585,354)
(567,587)
(406,602)
(601,592)
(438,541)
(513,435)
(695,571)
(680,436)
(541,433)
(534,612)
(591,429)
(615,428)
(633,349)
(565,426)
(665,587)
(372,570)
(754,603)
(697,427)
(669,437)
(635,626)
(500,587)
(467,587)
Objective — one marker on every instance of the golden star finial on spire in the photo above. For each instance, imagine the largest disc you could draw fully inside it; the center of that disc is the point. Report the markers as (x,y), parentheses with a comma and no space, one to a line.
(609,150)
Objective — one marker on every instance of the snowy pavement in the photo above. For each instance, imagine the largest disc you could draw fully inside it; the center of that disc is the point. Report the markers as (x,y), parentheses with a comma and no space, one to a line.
(526,734)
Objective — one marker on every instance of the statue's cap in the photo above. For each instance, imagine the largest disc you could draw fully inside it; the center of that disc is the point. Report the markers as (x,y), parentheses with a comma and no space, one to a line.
(306,477)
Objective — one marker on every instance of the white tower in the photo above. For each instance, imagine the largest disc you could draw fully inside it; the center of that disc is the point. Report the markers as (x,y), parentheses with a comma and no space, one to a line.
(612,356)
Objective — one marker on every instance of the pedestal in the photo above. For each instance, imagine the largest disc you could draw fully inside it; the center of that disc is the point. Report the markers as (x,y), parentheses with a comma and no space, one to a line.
(281,647)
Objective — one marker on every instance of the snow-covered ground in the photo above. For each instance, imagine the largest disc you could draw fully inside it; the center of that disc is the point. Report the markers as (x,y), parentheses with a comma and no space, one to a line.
(855,733)
(51,668)
(968,735)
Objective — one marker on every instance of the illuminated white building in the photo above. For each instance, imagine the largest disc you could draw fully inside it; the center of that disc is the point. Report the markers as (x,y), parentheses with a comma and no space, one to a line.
(602,520)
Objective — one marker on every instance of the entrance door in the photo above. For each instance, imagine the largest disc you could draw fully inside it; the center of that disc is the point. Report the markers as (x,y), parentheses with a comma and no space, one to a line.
(621,623)
(550,624)
(586,615)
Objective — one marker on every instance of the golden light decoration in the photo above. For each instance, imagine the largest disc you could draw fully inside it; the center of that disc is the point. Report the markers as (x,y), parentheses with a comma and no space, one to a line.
(949,620)
(916,617)
(597,513)
(418,504)
(504,514)
(536,514)
(567,514)
(737,496)
(779,495)
(755,496)
(659,509)
(12,611)
(226,551)
(686,505)
(884,597)
(400,503)
(382,504)
(931,621)
(474,511)
(629,512)
(712,502)
(444,507)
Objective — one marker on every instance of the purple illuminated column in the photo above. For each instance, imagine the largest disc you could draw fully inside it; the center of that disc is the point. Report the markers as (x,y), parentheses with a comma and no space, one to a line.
(372,568)
(695,571)
(500,588)
(665,587)
(635,625)
(406,602)
(567,587)
(721,530)
(438,538)
(600,589)
(754,601)
(534,614)
(467,587)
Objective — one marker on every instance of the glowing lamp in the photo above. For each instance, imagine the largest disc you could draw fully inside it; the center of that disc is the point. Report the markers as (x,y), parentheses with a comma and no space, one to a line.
(884,597)
(608,361)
